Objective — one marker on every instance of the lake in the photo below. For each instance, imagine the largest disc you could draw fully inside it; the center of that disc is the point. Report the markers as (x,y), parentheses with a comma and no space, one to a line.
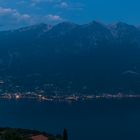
(93,120)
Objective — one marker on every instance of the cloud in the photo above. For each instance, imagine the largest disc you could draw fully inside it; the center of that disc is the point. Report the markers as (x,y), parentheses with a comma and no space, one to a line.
(49,19)
(55,18)
(63,5)
(13,13)
(12,18)
(7,11)
(69,5)
(36,2)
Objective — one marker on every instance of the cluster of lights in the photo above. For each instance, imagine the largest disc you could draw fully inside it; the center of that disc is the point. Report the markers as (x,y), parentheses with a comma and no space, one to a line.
(73,98)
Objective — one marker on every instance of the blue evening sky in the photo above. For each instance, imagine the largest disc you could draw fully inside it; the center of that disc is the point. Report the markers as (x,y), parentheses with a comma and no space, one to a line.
(17,13)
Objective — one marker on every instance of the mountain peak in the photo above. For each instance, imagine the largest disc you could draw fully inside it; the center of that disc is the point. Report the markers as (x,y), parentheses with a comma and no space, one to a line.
(95,24)
(63,27)
(68,25)
(123,25)
(40,27)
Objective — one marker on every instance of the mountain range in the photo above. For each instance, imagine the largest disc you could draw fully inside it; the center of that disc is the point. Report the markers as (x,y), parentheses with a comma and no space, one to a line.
(94,57)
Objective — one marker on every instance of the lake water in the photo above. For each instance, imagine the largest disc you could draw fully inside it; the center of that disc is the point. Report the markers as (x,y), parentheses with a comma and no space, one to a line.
(93,120)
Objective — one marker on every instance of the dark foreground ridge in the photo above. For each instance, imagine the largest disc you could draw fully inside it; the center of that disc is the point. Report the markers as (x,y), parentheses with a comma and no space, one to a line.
(25,134)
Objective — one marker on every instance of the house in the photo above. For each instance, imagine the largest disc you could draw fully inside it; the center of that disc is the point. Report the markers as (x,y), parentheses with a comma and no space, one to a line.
(39,137)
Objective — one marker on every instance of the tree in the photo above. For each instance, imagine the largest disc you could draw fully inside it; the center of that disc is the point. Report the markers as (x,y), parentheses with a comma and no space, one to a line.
(51,138)
(65,134)
(11,135)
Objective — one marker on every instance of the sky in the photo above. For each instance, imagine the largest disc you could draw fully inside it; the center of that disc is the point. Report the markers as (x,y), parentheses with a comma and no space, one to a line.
(18,13)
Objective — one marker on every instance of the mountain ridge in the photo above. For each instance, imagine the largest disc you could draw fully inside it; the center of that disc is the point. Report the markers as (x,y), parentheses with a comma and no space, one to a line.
(100,57)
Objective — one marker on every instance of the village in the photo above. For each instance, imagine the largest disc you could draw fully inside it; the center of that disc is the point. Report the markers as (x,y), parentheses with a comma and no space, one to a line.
(64,98)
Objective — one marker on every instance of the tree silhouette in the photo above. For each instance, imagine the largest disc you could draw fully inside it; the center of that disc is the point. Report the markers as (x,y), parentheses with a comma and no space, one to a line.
(11,135)
(65,134)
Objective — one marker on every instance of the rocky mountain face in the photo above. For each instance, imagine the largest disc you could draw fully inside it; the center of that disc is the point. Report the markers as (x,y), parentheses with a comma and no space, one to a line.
(92,57)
